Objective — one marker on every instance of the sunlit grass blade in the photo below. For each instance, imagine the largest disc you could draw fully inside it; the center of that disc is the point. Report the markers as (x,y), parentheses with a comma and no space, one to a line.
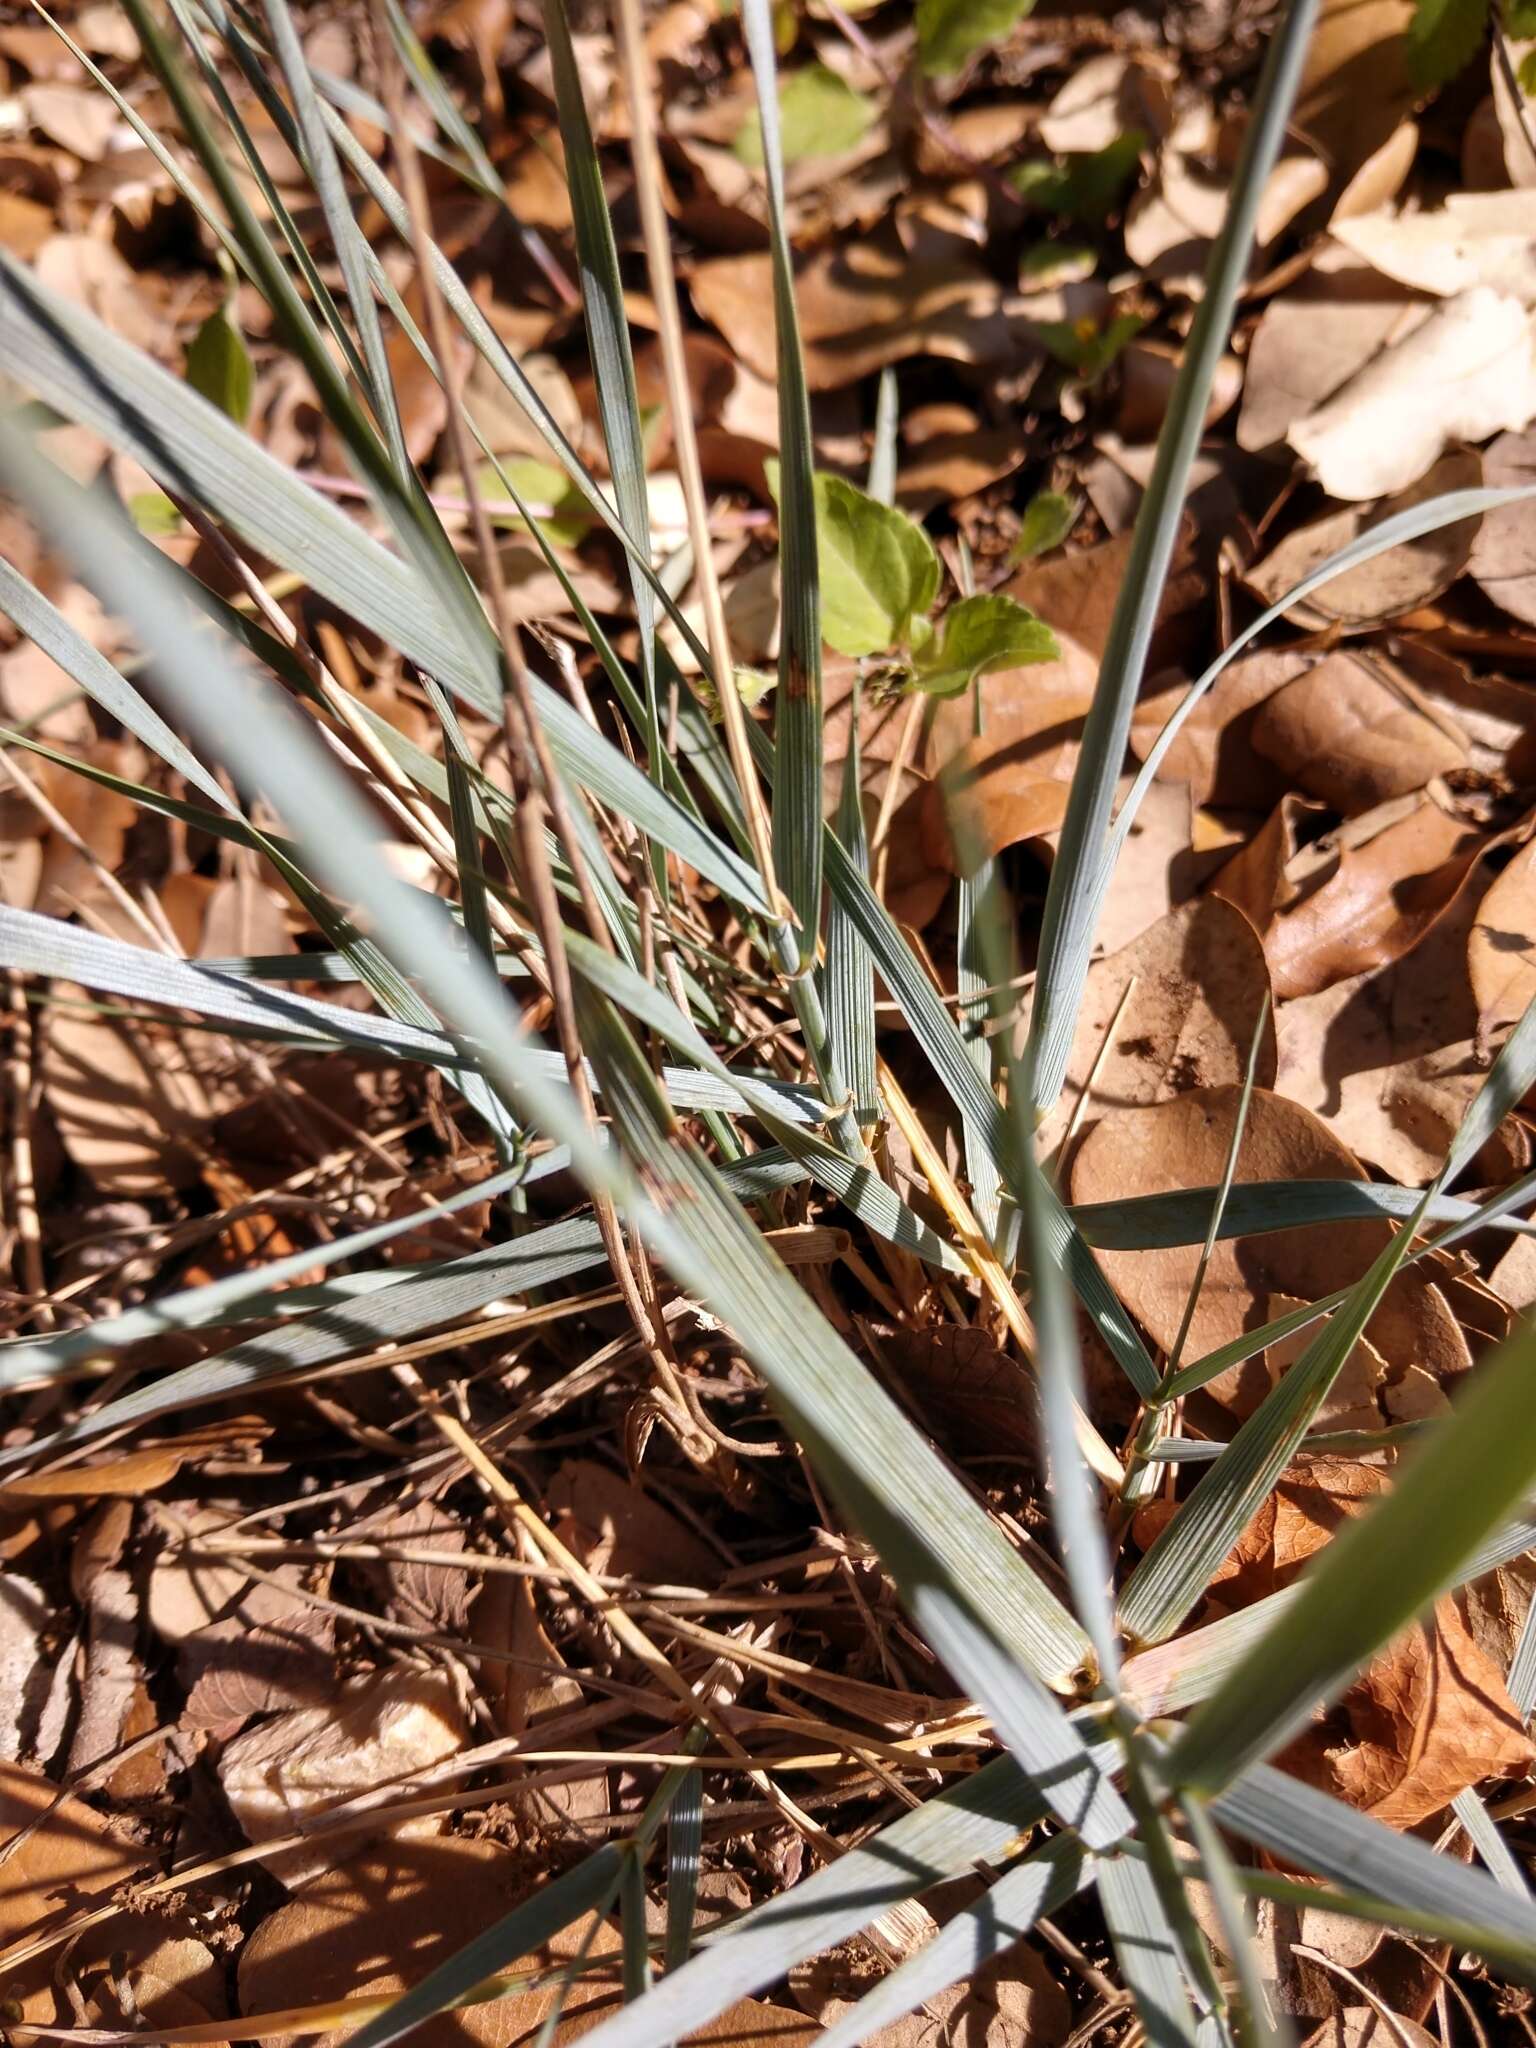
(976,1013)
(850,974)
(1432,1895)
(1184,1557)
(1079,875)
(797,819)
(1378,1572)
(1522,1668)
(1146,1951)
(1183,1215)
(608,343)
(1482,1832)
(1256,2025)
(965,1945)
(46,626)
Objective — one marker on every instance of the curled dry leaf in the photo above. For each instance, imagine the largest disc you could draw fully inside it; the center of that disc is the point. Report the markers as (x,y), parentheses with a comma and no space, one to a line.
(289,1770)
(1396,581)
(1349,733)
(1184,1143)
(1429,1717)
(1364,895)
(1189,1021)
(1465,372)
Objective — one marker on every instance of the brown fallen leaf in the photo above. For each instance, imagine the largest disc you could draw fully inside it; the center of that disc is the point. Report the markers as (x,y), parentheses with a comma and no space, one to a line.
(1395,581)
(62,1860)
(976,1397)
(1214,754)
(379,1923)
(1503,560)
(1355,85)
(1348,733)
(1012,2001)
(1200,984)
(615,1525)
(1429,1717)
(134,1474)
(1184,1143)
(1501,946)
(1362,2026)
(293,1767)
(1465,372)
(1364,895)
(1389,1059)
(1313,1500)
(1474,239)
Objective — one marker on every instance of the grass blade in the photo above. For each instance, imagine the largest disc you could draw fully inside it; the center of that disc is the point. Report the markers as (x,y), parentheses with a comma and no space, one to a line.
(1381,1570)
(1079,876)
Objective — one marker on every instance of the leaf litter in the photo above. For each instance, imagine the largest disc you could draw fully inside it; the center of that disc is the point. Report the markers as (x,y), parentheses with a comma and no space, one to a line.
(253,1640)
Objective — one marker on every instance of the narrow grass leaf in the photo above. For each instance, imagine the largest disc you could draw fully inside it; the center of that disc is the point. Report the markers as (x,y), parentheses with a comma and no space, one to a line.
(850,973)
(966,1944)
(797,816)
(1482,1832)
(1305,1828)
(1147,1951)
(1471,1472)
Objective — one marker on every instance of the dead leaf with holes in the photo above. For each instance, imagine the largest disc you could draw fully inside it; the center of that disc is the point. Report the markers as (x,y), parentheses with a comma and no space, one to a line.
(1176,1009)
(1184,1143)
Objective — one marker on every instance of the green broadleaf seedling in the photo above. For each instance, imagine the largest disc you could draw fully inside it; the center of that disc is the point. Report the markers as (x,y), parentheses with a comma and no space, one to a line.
(820,114)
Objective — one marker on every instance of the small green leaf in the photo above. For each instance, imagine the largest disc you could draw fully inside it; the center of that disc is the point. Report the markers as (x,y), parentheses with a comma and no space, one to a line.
(1526,75)
(1048,518)
(950,31)
(1520,20)
(219,366)
(153,514)
(820,114)
(564,518)
(878,567)
(1087,186)
(1443,38)
(1086,347)
(978,635)
(1046,266)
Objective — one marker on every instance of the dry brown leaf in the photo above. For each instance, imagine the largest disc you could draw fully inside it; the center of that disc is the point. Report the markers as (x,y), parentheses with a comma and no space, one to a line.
(132,1475)
(1362,2026)
(1388,1058)
(864,305)
(1314,1498)
(976,1397)
(292,1768)
(1503,563)
(1428,1718)
(78,118)
(62,1860)
(1465,372)
(1171,224)
(1184,1143)
(1347,735)
(123,1098)
(272,1649)
(1355,86)
(1501,947)
(1189,1022)
(24,1612)
(1363,896)
(1214,754)
(1313,338)
(1395,581)
(614,1525)
(1476,238)
(380,1922)
(1106,95)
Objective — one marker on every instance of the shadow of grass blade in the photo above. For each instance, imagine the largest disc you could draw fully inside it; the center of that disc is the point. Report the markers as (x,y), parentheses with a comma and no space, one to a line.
(797,781)
(1078,880)
(1379,1571)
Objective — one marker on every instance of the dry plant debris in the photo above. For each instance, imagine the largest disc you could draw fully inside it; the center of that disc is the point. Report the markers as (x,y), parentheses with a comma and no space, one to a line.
(309,1690)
